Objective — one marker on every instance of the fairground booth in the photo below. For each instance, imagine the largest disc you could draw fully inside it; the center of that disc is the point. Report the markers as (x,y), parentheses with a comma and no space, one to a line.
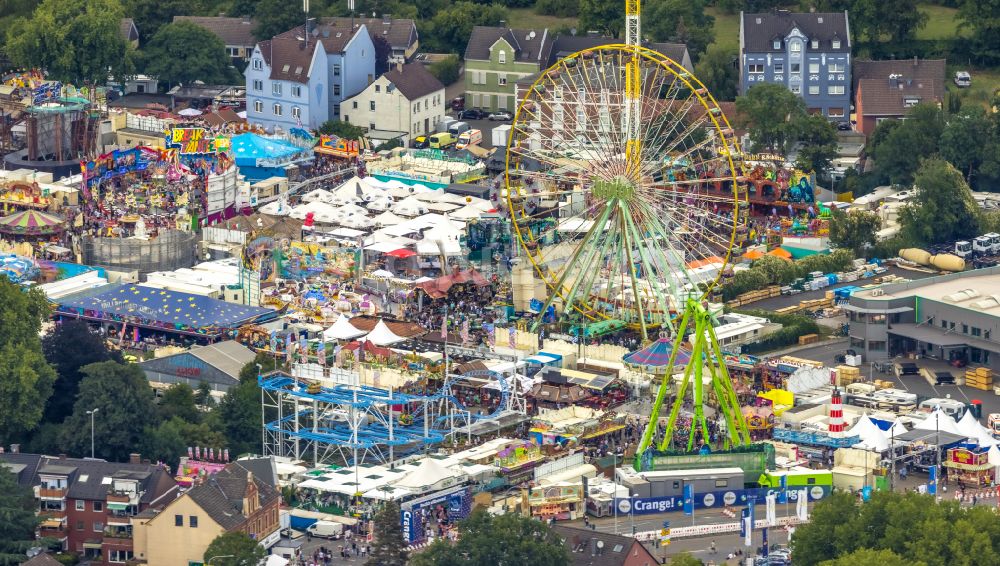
(131,313)
(260,158)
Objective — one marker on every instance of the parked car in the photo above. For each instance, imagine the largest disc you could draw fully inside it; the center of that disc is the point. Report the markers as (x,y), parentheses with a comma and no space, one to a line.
(844,126)
(963,79)
(458,103)
(501,116)
(442,140)
(472,114)
(421,142)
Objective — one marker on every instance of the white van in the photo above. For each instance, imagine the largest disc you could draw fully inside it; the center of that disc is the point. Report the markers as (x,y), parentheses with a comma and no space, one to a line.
(950,407)
(326,529)
(471,137)
(457,128)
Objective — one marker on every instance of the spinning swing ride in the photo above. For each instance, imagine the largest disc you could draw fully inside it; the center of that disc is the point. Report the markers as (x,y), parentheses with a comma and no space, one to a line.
(623,188)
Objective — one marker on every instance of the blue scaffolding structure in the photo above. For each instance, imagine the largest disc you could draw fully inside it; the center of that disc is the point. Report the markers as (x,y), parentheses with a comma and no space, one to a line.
(349,425)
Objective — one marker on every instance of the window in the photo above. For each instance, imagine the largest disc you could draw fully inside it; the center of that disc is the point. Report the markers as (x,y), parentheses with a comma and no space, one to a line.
(193,521)
(98,506)
(876,345)
(796,47)
(258,106)
(502,57)
(80,504)
(277,110)
(777,44)
(813,68)
(276,89)
(296,112)
(756,68)
(119,555)
(796,68)
(98,527)
(813,89)
(965,329)
(779,68)
(836,44)
(814,44)
(837,67)
(371,105)
(336,109)
(502,80)
(371,125)
(258,85)
(355,104)
(835,113)
(977,331)
(944,323)
(796,89)
(178,520)
(336,90)
(378,88)
(835,89)
(336,70)
(79,525)
(296,91)
(258,65)
(721,483)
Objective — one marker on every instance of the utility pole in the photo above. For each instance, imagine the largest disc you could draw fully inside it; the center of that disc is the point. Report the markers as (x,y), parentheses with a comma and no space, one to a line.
(92,413)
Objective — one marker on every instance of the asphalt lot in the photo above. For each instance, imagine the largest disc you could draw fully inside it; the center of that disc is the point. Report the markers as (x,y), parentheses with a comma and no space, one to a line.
(485,126)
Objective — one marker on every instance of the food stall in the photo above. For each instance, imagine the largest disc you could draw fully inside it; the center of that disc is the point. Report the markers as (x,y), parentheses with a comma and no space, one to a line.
(970,465)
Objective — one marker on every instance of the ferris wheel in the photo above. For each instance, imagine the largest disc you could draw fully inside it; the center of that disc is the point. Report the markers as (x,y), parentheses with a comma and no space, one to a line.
(622,184)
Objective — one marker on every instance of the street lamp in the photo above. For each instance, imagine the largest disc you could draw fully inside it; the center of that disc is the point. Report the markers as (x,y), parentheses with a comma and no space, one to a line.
(209,561)
(631,501)
(92,413)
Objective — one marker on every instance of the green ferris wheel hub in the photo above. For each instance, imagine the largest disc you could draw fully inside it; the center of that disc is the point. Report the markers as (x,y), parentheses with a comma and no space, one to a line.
(619,188)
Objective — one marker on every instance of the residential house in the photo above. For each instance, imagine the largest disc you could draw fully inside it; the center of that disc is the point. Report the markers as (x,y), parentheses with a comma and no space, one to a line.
(232,500)
(407,100)
(593,548)
(884,90)
(88,505)
(128,31)
(301,77)
(42,559)
(810,53)
(400,33)
(565,45)
(496,58)
(235,33)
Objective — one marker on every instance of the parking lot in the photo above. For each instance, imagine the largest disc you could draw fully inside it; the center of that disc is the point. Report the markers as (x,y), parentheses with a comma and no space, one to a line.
(485,126)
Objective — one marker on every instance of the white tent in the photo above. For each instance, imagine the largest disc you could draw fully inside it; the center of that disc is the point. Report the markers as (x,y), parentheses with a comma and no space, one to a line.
(940,421)
(382,336)
(994,457)
(969,426)
(429,473)
(409,206)
(897,429)
(872,437)
(429,195)
(382,274)
(321,195)
(808,378)
(378,203)
(357,221)
(275,208)
(342,330)
(466,213)
(275,560)
(433,247)
(355,187)
(387,219)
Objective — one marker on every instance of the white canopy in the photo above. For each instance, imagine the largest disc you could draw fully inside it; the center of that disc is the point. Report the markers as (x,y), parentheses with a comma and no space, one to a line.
(428,473)
(387,218)
(897,429)
(938,420)
(382,336)
(872,437)
(433,247)
(275,208)
(409,206)
(321,195)
(342,330)
(994,456)
(355,187)
(275,560)
(189,112)
(378,203)
(467,212)
(381,273)
(969,426)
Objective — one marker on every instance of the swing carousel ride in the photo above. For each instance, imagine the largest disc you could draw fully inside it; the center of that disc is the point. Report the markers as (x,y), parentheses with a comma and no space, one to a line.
(623,186)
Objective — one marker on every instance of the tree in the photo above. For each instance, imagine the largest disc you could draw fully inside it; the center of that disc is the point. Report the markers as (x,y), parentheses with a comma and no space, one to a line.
(446,70)
(451,27)
(869,556)
(124,401)
(507,539)
(685,559)
(943,208)
(17,519)
(717,70)
(234,549)
(68,348)
(276,16)
(680,21)
(178,401)
(203,395)
(983,17)
(604,16)
(170,440)
(151,15)
(898,153)
(342,129)
(25,377)
(874,19)
(249,372)
(183,53)
(382,53)
(389,547)
(770,112)
(970,123)
(238,416)
(818,137)
(75,41)
(854,230)
(558,8)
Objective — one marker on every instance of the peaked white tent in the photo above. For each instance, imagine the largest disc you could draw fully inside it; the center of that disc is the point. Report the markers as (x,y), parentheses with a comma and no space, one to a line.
(872,437)
(969,426)
(897,429)
(342,330)
(275,208)
(429,473)
(387,218)
(940,421)
(321,195)
(994,457)
(409,206)
(382,336)
(467,212)
(355,187)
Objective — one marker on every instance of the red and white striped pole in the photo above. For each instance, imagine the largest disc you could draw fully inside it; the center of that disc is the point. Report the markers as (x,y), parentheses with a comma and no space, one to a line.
(836,412)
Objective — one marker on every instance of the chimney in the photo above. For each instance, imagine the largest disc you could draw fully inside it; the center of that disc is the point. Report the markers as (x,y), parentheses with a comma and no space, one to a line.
(62,456)
(134,458)
(914,60)
(15,448)
(1,449)
(593,546)
(386,18)
(399,67)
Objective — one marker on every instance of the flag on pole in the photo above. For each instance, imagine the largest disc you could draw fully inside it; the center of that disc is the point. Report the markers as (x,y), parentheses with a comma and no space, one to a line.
(289,348)
(444,326)
(274,341)
(802,505)
(689,499)
(465,331)
(783,494)
(321,352)
(513,337)
(772,515)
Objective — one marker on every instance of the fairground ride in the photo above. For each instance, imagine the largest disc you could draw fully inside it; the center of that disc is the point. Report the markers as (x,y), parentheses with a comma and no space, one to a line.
(622,182)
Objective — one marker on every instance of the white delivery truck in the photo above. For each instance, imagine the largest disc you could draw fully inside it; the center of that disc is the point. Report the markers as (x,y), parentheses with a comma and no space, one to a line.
(326,529)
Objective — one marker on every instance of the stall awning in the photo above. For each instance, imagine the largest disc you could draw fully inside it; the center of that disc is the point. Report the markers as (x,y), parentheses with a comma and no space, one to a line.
(116,506)
(894,310)
(540,359)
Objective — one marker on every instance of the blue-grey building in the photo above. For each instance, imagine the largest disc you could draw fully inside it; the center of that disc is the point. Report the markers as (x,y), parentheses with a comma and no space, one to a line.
(808,53)
(300,77)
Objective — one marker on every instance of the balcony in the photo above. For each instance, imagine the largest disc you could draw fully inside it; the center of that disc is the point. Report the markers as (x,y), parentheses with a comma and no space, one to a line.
(50,493)
(53,514)
(118,498)
(112,536)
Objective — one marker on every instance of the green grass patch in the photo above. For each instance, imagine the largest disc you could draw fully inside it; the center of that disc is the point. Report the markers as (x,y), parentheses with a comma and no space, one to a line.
(984,83)
(942,22)
(727,29)
(527,18)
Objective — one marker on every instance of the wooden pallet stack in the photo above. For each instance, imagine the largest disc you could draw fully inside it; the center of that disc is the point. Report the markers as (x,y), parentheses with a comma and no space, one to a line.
(847,375)
(979,378)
